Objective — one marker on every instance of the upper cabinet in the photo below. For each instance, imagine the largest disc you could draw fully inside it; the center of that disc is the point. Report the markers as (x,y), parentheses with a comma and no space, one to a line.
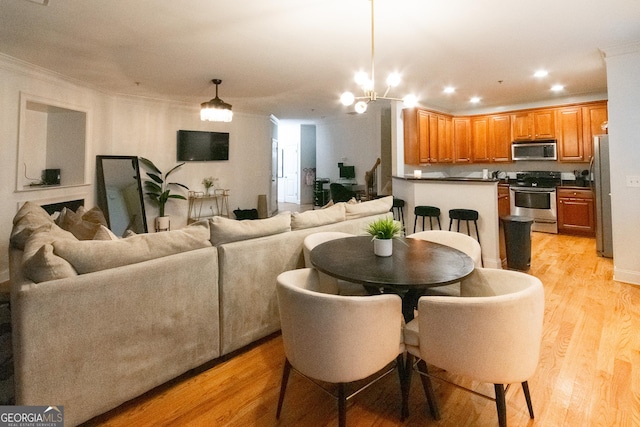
(432,137)
(576,127)
(594,118)
(461,139)
(532,125)
(428,137)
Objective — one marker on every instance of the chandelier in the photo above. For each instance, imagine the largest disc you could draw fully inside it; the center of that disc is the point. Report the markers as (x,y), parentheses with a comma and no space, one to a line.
(368,84)
(216,110)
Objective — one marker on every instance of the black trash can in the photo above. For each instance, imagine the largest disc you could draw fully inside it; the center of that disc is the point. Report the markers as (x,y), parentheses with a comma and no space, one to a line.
(517,239)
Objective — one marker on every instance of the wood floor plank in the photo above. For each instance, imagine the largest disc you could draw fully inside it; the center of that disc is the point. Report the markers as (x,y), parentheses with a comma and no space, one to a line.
(588,375)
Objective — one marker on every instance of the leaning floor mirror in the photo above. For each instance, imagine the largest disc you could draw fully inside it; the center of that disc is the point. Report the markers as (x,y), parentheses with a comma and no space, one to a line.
(120,193)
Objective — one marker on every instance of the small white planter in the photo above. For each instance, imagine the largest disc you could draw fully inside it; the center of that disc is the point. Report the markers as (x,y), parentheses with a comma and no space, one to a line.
(383,247)
(163,223)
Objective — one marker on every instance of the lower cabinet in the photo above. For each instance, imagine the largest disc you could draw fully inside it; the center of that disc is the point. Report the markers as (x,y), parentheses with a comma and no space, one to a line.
(576,213)
(504,208)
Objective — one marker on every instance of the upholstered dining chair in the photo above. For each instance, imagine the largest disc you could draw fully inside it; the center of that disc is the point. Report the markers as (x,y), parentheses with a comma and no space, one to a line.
(330,284)
(337,339)
(459,241)
(492,336)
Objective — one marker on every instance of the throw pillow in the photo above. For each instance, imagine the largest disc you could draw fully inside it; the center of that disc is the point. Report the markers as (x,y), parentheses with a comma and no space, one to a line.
(39,263)
(74,223)
(104,233)
(314,218)
(29,218)
(371,207)
(95,255)
(225,230)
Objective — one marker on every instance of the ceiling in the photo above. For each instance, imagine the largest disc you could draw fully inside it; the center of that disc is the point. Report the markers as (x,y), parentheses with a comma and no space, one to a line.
(293,58)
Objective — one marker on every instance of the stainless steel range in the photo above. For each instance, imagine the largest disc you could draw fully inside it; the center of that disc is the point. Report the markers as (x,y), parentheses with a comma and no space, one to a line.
(533,194)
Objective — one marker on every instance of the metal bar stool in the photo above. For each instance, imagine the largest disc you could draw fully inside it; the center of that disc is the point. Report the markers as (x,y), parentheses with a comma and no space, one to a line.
(464,215)
(398,210)
(426,211)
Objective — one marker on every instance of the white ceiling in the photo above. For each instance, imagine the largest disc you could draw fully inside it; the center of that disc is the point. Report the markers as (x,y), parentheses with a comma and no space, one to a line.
(293,58)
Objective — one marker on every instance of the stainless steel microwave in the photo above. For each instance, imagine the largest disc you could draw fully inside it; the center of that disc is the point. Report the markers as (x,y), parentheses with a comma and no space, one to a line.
(534,150)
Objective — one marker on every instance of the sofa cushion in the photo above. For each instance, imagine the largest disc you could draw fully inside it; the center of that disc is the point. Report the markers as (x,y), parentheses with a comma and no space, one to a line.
(29,218)
(368,208)
(39,263)
(95,255)
(314,218)
(225,230)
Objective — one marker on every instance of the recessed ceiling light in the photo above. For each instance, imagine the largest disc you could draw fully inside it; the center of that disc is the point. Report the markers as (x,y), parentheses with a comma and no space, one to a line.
(474,100)
(557,88)
(449,89)
(541,73)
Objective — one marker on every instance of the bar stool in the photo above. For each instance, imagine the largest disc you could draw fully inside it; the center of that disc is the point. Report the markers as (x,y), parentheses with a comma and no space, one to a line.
(398,210)
(426,211)
(464,215)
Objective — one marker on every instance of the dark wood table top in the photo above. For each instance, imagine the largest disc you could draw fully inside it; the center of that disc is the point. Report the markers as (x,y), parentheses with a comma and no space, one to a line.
(414,264)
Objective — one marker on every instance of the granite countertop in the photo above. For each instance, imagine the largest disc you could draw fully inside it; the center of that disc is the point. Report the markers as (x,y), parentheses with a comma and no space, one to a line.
(450,179)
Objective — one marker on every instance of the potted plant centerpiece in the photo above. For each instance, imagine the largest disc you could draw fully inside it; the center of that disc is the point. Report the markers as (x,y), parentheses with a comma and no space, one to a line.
(157,188)
(383,231)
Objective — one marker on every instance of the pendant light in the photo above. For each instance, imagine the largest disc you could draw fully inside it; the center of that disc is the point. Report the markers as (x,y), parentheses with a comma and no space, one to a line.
(367,84)
(216,110)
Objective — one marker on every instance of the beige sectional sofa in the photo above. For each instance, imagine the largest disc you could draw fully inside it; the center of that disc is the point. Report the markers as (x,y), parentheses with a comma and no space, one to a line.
(99,322)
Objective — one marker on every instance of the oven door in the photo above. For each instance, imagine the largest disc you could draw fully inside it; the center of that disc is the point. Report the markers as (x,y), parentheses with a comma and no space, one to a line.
(536,203)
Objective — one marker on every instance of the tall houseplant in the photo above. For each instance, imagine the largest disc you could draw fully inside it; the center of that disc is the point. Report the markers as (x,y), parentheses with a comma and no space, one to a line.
(158,188)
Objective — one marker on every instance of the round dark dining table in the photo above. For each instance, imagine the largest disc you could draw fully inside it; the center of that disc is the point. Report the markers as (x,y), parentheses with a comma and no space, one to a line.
(414,266)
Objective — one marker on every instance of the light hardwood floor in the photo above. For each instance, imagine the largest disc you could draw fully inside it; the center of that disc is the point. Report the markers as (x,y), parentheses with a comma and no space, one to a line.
(589,371)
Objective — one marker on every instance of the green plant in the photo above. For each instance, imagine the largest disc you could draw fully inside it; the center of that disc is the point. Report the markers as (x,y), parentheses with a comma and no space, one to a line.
(157,188)
(384,228)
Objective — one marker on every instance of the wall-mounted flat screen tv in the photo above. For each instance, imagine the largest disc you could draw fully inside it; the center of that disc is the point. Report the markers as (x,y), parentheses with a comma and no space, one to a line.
(201,146)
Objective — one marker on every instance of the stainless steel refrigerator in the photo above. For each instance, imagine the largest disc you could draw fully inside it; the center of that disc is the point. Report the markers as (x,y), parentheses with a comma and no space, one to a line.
(601,182)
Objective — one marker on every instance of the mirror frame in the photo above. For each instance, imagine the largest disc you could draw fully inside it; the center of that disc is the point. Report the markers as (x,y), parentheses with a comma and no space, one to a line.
(102,190)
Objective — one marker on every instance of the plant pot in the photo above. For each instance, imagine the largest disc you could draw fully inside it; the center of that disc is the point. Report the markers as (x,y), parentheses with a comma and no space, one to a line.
(383,247)
(163,223)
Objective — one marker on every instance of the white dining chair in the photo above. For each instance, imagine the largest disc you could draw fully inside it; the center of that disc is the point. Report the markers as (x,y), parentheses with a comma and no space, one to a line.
(330,284)
(492,337)
(337,339)
(459,241)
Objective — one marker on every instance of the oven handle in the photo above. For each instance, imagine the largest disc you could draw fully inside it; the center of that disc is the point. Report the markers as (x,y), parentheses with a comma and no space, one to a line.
(551,190)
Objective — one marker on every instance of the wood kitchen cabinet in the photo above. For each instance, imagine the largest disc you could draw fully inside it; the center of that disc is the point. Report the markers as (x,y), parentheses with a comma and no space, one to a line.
(428,137)
(500,138)
(480,140)
(533,125)
(491,139)
(576,213)
(461,139)
(504,209)
(569,133)
(593,118)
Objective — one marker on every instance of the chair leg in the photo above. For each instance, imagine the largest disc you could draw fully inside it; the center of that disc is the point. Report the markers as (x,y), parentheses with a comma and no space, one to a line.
(439,226)
(450,224)
(527,396)
(501,405)
(428,390)
(477,234)
(283,385)
(430,223)
(342,405)
(404,371)
(415,222)
(468,229)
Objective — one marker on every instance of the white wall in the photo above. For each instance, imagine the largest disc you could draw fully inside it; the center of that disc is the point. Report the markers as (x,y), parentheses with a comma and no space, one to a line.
(353,139)
(623,69)
(121,125)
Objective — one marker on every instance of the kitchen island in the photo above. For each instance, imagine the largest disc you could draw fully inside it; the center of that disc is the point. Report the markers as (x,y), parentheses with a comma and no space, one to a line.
(453,193)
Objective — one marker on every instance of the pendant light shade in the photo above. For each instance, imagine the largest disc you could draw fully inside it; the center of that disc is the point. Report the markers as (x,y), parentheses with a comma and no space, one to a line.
(216,110)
